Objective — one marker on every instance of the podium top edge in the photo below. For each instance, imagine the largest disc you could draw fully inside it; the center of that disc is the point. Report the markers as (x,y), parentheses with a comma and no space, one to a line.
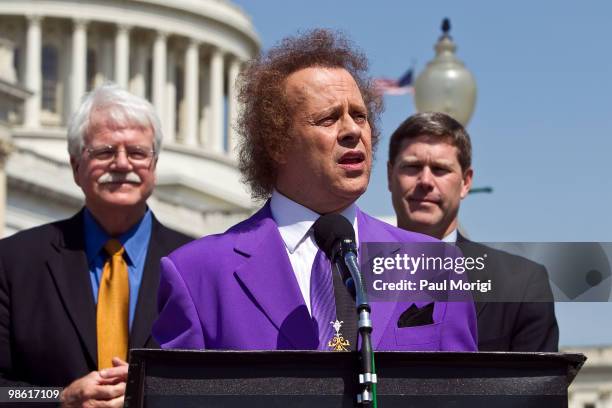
(570,363)
(575,358)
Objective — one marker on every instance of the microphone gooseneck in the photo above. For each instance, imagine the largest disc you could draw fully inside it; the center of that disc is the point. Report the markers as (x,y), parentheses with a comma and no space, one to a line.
(335,236)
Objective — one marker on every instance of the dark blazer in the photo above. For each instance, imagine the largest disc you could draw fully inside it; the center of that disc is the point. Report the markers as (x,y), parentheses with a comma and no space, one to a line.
(47,309)
(517,326)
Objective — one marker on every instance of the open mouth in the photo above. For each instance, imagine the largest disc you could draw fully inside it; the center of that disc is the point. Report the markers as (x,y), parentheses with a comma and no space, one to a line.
(352,159)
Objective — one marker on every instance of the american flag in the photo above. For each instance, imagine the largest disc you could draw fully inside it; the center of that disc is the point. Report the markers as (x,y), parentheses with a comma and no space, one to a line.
(400,86)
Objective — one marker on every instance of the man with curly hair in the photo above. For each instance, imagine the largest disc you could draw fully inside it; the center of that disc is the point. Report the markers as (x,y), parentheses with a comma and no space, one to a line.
(308,128)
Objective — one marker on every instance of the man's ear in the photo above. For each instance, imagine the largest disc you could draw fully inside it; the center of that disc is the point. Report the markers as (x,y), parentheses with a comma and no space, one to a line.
(75,163)
(153,167)
(467,182)
(278,157)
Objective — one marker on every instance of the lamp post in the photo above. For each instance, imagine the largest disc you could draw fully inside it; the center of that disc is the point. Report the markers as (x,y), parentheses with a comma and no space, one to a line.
(445,85)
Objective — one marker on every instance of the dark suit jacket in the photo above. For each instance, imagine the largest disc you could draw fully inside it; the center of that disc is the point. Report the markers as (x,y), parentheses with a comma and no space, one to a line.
(516,326)
(47,309)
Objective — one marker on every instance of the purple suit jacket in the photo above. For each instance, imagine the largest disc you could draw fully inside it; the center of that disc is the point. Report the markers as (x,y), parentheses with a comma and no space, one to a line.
(237,291)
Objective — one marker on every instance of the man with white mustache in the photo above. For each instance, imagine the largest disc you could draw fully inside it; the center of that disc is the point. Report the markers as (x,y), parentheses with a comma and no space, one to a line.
(76,294)
(112,177)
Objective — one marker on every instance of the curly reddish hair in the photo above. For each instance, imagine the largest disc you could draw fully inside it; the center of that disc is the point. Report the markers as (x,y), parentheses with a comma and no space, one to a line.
(264,121)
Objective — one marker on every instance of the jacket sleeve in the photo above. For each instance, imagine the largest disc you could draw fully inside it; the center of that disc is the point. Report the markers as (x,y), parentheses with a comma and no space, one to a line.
(178,325)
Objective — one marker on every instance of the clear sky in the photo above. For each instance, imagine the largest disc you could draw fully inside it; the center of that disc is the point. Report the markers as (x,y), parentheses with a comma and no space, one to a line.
(542,128)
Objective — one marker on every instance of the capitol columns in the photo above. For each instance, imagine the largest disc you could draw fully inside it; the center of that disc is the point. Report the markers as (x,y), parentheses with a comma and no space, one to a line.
(78,62)
(33,72)
(216,100)
(159,73)
(122,55)
(192,62)
(232,105)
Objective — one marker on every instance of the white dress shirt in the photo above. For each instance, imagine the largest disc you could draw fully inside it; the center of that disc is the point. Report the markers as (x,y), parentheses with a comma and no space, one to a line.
(451,238)
(295,226)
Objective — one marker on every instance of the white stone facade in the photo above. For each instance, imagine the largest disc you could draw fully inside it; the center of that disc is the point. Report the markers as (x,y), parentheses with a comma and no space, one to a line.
(183,55)
(592,388)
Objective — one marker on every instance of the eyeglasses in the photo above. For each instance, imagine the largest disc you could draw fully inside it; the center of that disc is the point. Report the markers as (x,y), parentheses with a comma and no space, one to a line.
(137,155)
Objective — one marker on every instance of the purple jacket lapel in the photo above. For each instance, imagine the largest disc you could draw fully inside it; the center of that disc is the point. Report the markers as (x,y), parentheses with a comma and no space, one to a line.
(267,275)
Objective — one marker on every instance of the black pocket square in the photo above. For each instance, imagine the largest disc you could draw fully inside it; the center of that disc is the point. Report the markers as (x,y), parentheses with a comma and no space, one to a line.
(413,316)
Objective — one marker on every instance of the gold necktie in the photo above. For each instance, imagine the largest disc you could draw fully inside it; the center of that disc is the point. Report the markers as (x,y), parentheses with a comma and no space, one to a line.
(113,306)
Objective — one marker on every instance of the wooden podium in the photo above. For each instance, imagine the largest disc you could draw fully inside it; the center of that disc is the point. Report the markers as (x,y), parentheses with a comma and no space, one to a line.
(183,379)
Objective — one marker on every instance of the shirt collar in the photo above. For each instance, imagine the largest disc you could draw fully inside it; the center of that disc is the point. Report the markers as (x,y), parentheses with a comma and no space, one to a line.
(295,221)
(132,240)
(451,238)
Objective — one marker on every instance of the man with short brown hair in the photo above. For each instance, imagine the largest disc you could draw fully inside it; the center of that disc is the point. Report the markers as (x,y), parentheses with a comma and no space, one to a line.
(429,172)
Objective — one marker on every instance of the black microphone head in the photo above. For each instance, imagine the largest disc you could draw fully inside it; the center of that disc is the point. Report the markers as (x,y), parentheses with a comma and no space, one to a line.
(331,228)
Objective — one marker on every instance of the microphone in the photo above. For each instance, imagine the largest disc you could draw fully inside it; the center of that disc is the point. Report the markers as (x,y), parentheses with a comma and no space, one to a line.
(335,236)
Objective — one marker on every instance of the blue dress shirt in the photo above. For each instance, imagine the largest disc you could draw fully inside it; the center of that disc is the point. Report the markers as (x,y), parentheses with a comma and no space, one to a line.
(136,243)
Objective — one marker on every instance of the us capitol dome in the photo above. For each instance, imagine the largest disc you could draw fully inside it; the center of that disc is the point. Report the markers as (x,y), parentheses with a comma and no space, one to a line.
(182,55)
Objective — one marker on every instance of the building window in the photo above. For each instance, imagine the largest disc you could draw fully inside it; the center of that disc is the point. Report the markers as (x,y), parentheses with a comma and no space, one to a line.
(91,69)
(180,92)
(149,81)
(50,74)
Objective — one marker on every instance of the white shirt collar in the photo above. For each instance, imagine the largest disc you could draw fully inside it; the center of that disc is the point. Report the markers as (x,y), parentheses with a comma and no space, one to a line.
(295,221)
(451,238)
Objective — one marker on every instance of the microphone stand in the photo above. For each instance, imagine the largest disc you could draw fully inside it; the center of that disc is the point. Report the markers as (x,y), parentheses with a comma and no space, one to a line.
(367,377)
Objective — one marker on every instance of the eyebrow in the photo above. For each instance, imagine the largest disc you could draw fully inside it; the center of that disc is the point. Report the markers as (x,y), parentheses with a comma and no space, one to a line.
(416,160)
(331,110)
(358,107)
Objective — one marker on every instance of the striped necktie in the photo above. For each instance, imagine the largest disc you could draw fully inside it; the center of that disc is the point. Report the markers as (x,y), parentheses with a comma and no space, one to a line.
(113,306)
(322,302)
